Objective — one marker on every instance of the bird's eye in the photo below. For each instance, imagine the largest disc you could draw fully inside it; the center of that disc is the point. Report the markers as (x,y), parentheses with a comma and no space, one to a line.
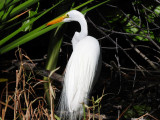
(67,16)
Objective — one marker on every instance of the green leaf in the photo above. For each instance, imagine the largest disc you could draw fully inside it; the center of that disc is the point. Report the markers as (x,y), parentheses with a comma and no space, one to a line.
(136,111)
(157,10)
(2,4)
(29,26)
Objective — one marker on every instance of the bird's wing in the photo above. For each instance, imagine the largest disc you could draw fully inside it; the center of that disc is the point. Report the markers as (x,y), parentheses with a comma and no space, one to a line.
(80,71)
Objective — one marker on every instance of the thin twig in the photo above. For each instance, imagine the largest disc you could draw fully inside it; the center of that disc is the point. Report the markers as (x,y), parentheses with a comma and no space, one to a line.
(117,45)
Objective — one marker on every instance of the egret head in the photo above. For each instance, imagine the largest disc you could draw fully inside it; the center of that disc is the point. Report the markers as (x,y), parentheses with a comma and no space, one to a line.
(72,15)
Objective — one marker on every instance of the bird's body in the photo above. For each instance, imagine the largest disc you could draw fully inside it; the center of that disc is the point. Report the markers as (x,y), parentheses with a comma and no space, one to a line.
(82,69)
(80,74)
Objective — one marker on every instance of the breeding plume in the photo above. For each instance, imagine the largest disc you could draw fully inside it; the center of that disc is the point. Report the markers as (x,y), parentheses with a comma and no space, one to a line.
(82,69)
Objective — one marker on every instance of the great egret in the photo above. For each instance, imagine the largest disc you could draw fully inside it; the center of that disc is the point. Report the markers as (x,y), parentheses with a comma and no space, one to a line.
(82,68)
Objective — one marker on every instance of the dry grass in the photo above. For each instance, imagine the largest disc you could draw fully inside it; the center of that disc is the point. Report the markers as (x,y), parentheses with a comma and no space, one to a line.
(24,101)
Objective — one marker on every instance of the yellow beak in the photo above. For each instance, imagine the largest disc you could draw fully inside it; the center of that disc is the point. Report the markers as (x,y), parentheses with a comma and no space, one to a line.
(60,19)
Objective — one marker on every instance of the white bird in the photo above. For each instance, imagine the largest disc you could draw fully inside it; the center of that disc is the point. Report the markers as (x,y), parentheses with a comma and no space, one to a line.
(82,69)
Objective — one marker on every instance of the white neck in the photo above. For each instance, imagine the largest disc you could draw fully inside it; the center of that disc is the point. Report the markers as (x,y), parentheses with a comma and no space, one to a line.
(82,34)
(84,28)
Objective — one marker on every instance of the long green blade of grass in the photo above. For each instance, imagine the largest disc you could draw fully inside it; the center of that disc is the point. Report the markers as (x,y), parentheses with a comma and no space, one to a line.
(7,3)
(18,9)
(95,6)
(35,33)
(24,26)
(89,1)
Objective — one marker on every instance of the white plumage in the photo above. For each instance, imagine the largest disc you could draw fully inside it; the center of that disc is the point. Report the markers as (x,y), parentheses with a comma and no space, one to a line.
(82,69)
